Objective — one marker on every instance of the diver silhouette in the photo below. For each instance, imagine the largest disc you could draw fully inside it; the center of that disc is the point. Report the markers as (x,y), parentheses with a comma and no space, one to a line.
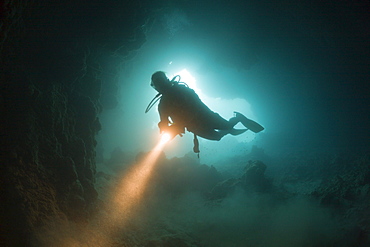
(180,108)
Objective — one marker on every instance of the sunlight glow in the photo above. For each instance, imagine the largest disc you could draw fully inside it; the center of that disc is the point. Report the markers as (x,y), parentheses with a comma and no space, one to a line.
(188,79)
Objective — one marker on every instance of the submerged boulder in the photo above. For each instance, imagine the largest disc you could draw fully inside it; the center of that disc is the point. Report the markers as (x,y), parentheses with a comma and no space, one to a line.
(252,180)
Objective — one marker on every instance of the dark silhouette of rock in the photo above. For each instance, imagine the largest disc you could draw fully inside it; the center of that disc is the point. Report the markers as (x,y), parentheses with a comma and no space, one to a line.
(252,180)
(51,85)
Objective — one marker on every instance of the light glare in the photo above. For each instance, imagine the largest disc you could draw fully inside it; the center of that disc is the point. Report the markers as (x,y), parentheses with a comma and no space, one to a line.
(188,79)
(165,138)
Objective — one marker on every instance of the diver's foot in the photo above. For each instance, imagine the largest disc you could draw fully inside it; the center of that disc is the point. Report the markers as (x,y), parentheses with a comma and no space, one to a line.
(239,116)
(248,123)
(236,132)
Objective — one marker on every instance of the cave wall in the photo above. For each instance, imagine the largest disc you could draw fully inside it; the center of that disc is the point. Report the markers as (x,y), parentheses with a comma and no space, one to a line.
(51,89)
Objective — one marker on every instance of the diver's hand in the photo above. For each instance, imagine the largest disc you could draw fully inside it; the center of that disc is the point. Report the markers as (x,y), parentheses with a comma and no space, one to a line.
(173,129)
(163,126)
(176,129)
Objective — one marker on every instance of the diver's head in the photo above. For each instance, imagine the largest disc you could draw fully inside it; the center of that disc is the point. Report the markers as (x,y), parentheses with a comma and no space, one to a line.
(160,82)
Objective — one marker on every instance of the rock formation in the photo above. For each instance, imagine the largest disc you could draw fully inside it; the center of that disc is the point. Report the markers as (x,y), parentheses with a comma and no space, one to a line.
(50,97)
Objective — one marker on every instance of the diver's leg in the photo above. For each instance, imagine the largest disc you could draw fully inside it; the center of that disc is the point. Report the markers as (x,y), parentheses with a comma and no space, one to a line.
(236,132)
(227,127)
(224,124)
(214,127)
(210,134)
(218,122)
(233,121)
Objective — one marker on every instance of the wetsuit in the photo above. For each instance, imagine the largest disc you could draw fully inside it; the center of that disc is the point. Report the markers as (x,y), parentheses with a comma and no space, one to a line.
(185,109)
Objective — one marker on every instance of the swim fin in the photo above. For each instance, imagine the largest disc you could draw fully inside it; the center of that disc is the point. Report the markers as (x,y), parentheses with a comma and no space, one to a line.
(248,123)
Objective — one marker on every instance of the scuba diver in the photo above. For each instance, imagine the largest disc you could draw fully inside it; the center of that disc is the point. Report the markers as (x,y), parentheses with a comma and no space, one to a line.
(180,108)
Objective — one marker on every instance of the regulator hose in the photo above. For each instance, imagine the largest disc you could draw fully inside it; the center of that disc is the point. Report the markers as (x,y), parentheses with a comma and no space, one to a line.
(152,102)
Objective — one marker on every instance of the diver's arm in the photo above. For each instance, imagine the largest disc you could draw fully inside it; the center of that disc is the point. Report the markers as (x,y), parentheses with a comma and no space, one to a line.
(164,122)
(163,125)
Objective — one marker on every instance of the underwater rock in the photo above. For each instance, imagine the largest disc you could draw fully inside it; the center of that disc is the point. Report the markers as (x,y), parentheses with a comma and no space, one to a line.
(118,160)
(254,176)
(348,188)
(182,175)
(252,180)
(172,241)
(49,102)
(224,188)
(349,194)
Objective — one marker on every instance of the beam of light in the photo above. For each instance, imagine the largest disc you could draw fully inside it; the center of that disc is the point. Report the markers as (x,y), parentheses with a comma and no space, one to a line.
(124,204)
(166,137)
(131,189)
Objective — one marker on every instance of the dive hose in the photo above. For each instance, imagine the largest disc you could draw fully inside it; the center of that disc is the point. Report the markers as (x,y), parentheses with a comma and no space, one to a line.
(153,101)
